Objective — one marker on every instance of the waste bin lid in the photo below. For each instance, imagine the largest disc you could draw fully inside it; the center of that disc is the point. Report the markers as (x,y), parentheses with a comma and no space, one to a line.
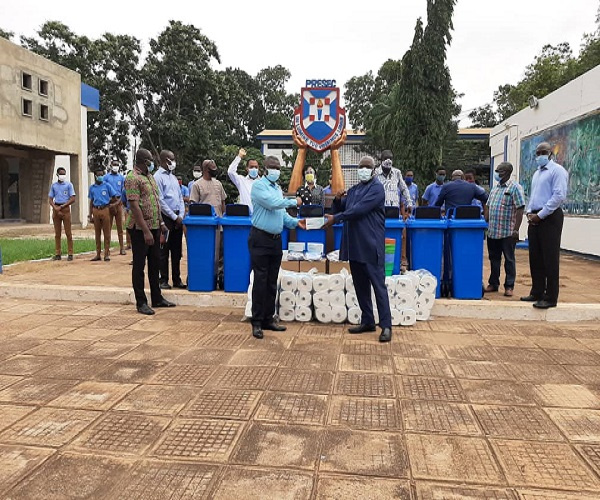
(466,212)
(394,224)
(237,210)
(201,209)
(201,220)
(427,223)
(467,224)
(427,213)
(392,212)
(236,220)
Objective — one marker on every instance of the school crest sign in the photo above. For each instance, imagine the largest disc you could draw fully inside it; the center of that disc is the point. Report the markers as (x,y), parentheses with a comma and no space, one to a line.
(319,120)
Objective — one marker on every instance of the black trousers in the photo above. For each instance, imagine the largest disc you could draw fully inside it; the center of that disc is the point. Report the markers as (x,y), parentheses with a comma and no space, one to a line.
(544,256)
(265,260)
(497,247)
(364,276)
(141,253)
(174,247)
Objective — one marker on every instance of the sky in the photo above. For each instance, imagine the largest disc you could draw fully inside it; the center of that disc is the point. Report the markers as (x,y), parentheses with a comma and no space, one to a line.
(493,41)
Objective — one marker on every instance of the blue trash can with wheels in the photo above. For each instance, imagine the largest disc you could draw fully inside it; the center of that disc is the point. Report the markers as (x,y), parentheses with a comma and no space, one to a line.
(466,238)
(338,229)
(393,229)
(202,226)
(311,235)
(236,226)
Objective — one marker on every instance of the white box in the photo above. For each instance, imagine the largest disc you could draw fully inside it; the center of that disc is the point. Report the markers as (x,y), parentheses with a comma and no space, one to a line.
(315,222)
(295,246)
(315,248)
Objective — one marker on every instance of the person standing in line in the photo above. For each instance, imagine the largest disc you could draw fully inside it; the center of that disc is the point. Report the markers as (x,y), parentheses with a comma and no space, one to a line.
(393,184)
(459,192)
(549,187)
(504,214)
(244,183)
(117,182)
(433,190)
(102,198)
(196,174)
(60,197)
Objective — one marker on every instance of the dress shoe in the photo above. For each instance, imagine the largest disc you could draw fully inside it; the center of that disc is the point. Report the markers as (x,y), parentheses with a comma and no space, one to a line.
(490,289)
(95,259)
(122,252)
(181,285)
(56,257)
(544,304)
(386,335)
(274,327)
(145,309)
(362,329)
(70,258)
(529,298)
(508,292)
(164,303)
(107,259)
(257,332)
(164,285)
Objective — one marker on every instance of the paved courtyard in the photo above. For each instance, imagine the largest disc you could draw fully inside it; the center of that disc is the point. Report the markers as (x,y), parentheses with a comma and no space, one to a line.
(99,402)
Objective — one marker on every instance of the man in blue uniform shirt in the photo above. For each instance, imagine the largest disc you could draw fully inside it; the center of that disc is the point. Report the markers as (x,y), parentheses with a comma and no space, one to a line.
(433,190)
(459,192)
(363,244)
(61,196)
(117,181)
(102,198)
(264,243)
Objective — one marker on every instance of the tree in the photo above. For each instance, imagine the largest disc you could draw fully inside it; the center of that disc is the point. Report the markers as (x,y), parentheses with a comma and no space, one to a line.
(483,116)
(274,107)
(6,34)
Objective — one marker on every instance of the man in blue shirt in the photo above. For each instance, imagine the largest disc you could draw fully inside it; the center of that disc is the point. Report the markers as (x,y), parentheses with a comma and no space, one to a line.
(264,243)
(433,190)
(172,208)
(117,181)
(545,217)
(362,210)
(102,198)
(460,192)
(61,196)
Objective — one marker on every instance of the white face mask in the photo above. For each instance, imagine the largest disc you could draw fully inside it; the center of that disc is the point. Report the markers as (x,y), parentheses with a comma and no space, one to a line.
(273,174)
(253,173)
(172,166)
(115,169)
(62,177)
(197,174)
(364,174)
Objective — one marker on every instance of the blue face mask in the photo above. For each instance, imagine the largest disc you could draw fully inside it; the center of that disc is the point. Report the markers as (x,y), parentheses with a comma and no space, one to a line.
(253,173)
(99,179)
(151,167)
(273,174)
(408,180)
(497,177)
(542,160)
(440,178)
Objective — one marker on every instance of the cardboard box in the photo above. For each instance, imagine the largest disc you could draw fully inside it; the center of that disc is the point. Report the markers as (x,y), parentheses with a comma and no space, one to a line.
(319,265)
(290,265)
(296,246)
(314,222)
(336,267)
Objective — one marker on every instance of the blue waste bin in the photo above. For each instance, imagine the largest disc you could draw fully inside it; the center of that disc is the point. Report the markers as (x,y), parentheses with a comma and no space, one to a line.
(201,239)
(311,235)
(236,256)
(426,238)
(285,238)
(394,229)
(338,230)
(466,237)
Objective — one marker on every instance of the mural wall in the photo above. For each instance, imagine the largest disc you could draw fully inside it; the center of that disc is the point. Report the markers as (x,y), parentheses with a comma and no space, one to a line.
(577,148)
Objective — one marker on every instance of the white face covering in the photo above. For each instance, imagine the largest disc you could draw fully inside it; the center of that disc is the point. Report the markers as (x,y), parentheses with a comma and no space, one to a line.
(172,166)
(115,169)
(364,174)
(197,174)
(62,177)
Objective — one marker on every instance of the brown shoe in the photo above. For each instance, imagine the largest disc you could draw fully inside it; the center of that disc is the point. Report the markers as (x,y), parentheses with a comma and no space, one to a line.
(490,288)
(508,292)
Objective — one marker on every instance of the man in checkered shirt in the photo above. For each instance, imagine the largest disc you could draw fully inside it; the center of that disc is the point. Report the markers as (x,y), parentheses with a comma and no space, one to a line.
(393,184)
(504,213)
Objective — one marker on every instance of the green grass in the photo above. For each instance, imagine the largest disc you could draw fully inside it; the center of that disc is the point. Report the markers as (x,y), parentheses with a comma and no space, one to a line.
(20,249)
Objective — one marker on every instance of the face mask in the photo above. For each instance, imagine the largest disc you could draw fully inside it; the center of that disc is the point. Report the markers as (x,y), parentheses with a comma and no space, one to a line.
(212,173)
(172,166)
(310,177)
(364,174)
(542,160)
(440,178)
(497,177)
(99,179)
(273,174)
(151,167)
(253,173)
(180,183)
(408,180)
(197,174)
(115,169)
(386,164)
(62,177)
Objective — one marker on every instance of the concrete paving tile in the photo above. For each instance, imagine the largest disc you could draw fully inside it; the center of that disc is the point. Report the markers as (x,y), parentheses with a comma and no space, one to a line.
(322,331)
(568,343)
(591,453)
(578,425)
(63,308)
(540,374)
(45,333)
(9,414)
(85,332)
(205,439)
(17,462)
(543,465)
(497,328)
(373,348)
(242,377)
(254,484)
(308,361)
(585,374)
(481,370)
(13,346)
(366,363)
(105,350)
(282,445)
(225,341)
(71,476)
(516,422)
(316,345)
(197,375)
(92,395)
(420,326)
(364,453)
(423,367)
(280,342)
(51,427)
(31,321)
(566,396)
(27,308)
(494,392)
(555,495)
(122,434)
(364,384)
(472,353)
(574,357)
(436,389)
(65,348)
(223,403)
(309,409)
(75,369)
(438,417)
(72,321)
(145,352)
(36,391)
(114,322)
(129,337)
(423,351)
(134,372)
(312,382)
(99,310)
(458,339)
(432,491)
(452,458)
(153,480)
(453,325)
(365,413)
(344,487)
(255,357)
(179,338)
(524,355)
(204,356)
(28,364)
(509,341)
(156,399)
(7,380)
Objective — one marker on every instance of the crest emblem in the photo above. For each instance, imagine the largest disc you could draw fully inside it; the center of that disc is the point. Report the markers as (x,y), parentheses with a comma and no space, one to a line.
(319,119)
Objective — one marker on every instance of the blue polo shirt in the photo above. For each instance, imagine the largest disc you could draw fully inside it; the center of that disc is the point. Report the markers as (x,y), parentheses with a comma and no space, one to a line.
(431,193)
(100,194)
(117,181)
(60,192)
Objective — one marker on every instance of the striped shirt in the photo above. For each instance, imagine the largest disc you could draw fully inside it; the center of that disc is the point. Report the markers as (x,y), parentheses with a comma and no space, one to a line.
(503,203)
(143,189)
(394,185)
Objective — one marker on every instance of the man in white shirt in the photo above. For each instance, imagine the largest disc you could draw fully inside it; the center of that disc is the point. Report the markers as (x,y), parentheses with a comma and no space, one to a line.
(243,182)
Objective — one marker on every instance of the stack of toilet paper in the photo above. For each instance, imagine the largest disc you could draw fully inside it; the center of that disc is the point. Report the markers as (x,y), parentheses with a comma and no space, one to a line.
(295,296)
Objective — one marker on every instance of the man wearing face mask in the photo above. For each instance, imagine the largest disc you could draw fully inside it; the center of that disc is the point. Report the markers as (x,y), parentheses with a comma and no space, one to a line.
(459,192)
(362,210)
(61,196)
(413,189)
(393,183)
(103,198)
(545,217)
(243,182)
(433,190)
(196,174)
(311,193)
(264,244)
(117,182)
(145,225)
(172,209)
(504,213)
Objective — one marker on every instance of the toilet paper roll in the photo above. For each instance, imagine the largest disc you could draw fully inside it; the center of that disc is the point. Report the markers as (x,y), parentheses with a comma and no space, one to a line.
(404,301)
(289,283)
(287,299)
(396,317)
(349,284)
(339,314)
(351,300)
(304,298)
(391,295)
(323,314)
(414,277)
(248,310)
(423,314)
(321,299)
(305,283)
(337,298)
(425,301)
(337,282)
(390,283)
(354,315)
(321,283)
(404,284)
(303,314)
(287,314)
(409,317)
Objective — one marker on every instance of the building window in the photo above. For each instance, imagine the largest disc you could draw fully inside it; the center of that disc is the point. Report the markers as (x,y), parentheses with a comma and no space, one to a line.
(44,87)
(27,81)
(27,107)
(44,112)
